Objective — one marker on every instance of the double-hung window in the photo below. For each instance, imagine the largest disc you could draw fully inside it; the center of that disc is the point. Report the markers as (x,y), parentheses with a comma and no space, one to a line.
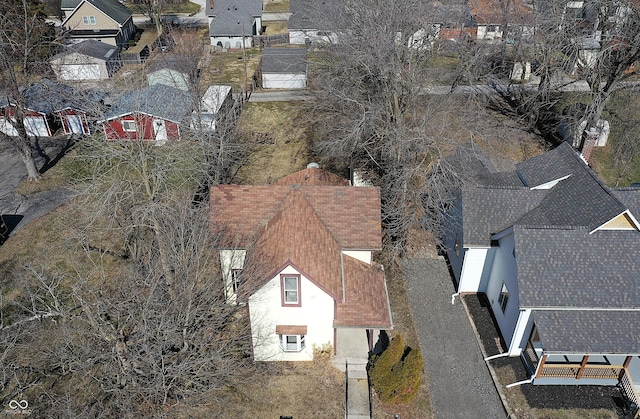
(290,286)
(89,20)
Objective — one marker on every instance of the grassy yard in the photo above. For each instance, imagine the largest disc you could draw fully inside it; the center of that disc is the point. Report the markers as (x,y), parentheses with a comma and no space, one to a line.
(188,8)
(276,6)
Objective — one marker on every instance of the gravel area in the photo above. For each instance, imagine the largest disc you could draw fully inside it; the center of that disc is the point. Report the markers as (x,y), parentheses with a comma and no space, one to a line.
(459,381)
(539,397)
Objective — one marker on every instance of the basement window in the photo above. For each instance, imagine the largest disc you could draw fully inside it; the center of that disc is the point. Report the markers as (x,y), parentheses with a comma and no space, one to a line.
(292,343)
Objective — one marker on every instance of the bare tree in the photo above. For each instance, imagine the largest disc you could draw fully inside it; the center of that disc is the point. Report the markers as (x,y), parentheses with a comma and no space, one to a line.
(25,42)
(369,111)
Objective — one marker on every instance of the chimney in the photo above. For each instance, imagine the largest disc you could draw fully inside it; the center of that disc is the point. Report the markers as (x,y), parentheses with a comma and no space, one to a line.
(590,139)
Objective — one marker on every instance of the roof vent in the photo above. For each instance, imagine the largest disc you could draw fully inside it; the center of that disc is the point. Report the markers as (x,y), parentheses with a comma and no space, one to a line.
(310,165)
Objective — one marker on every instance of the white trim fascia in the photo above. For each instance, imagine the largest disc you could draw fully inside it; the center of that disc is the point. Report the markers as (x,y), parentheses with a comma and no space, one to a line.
(518,333)
(627,212)
(550,184)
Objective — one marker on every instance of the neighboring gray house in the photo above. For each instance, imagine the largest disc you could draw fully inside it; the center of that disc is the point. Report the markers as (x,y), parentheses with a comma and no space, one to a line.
(316,21)
(87,60)
(557,254)
(284,68)
(108,21)
(232,21)
(173,70)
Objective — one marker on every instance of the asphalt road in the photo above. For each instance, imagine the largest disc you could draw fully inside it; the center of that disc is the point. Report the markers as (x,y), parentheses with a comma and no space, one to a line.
(12,172)
(459,381)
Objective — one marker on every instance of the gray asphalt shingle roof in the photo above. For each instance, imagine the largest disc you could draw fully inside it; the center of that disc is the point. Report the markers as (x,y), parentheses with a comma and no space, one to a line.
(563,263)
(575,268)
(114,9)
(157,100)
(490,210)
(311,14)
(233,17)
(91,48)
(582,331)
(284,60)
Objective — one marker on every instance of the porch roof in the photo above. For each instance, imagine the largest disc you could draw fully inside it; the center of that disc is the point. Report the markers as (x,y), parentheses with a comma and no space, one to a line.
(589,331)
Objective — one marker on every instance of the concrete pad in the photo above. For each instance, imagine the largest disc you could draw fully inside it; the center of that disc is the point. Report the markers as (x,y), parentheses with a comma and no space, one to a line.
(357,398)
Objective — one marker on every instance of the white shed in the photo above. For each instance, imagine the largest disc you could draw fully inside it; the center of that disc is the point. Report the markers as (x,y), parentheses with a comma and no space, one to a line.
(284,68)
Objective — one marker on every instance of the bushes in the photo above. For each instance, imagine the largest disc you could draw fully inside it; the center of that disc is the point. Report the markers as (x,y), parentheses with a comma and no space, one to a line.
(396,374)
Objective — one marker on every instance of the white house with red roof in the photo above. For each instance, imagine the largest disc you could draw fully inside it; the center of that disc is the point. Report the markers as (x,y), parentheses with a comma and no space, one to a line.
(314,236)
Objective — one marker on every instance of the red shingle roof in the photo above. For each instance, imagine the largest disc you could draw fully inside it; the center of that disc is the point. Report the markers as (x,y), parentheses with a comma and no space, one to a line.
(306,220)
(491,12)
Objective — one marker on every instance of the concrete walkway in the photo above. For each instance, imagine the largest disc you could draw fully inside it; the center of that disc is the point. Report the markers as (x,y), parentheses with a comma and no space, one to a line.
(352,353)
(460,384)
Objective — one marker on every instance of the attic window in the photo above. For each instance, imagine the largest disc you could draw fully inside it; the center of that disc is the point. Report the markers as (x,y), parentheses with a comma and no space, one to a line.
(89,20)
(290,287)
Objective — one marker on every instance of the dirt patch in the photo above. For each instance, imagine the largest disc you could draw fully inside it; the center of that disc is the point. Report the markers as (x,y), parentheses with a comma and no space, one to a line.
(279,138)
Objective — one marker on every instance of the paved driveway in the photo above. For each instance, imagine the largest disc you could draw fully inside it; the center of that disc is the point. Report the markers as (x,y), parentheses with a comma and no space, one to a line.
(459,381)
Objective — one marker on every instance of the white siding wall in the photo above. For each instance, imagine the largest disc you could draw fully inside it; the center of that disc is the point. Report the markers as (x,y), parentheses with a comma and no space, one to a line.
(300,37)
(521,333)
(453,233)
(266,311)
(362,255)
(234,42)
(503,270)
(284,81)
(231,259)
(472,269)
(484,33)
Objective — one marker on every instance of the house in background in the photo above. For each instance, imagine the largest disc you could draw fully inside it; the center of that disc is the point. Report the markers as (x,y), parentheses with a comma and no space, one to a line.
(51,105)
(178,71)
(215,103)
(108,21)
(555,251)
(233,23)
(156,113)
(86,60)
(495,20)
(313,22)
(312,236)
(284,68)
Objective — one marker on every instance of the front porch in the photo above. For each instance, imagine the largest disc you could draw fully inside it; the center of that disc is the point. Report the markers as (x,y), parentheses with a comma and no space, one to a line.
(537,396)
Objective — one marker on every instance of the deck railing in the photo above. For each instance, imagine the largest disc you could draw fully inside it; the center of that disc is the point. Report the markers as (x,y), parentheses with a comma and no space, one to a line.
(628,390)
(578,371)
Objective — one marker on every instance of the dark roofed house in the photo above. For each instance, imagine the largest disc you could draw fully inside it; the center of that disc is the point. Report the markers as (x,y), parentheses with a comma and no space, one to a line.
(155,113)
(284,68)
(313,236)
(316,21)
(86,60)
(557,257)
(107,21)
(233,23)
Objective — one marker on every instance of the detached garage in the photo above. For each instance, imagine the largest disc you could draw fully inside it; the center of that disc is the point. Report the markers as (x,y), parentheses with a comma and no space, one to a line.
(87,60)
(284,68)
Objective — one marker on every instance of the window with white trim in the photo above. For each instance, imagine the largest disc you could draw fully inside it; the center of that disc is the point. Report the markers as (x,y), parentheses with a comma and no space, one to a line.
(129,126)
(291,290)
(89,20)
(292,343)
(504,297)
